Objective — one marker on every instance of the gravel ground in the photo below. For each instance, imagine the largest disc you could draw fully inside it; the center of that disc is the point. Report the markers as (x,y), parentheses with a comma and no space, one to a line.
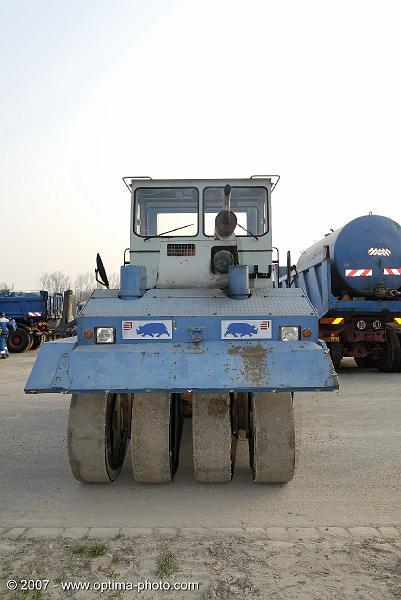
(224,566)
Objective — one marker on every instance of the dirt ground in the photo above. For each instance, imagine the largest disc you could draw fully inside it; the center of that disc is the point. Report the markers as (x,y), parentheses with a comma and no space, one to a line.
(224,566)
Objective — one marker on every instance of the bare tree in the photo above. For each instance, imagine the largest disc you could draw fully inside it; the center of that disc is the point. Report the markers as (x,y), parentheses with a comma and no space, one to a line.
(5,287)
(114,281)
(45,282)
(84,285)
(56,282)
(61,282)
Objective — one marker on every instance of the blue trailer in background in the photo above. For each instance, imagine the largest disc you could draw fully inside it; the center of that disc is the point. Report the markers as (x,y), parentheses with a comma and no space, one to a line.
(353,278)
(35,313)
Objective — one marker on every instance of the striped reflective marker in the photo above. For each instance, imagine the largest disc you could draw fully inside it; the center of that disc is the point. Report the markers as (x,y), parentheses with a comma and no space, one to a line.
(358,272)
(332,320)
(391,271)
(379,252)
(34,314)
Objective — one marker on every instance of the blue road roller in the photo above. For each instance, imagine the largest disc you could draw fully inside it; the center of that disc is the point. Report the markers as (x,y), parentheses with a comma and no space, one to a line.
(199,328)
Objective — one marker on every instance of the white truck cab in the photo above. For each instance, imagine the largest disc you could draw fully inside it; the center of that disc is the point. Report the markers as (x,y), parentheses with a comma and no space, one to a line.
(173,232)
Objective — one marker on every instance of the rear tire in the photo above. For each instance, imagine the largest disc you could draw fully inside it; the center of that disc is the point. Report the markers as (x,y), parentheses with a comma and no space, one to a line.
(97,435)
(336,353)
(19,341)
(390,361)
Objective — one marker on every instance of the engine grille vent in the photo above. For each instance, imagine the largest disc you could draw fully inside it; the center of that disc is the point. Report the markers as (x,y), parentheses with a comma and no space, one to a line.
(180,249)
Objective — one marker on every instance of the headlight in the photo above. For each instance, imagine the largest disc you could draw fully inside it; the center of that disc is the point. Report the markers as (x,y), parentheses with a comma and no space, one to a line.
(289,333)
(105,335)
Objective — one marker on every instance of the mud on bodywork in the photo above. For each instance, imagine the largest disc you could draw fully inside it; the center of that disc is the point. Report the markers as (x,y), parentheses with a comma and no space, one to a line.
(254,366)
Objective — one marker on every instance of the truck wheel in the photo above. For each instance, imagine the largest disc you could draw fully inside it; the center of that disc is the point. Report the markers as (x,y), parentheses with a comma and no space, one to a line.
(213,443)
(336,353)
(399,339)
(37,340)
(390,361)
(272,439)
(19,341)
(155,436)
(97,435)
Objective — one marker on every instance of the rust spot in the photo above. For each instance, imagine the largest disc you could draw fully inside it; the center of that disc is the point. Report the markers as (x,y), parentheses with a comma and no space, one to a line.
(254,361)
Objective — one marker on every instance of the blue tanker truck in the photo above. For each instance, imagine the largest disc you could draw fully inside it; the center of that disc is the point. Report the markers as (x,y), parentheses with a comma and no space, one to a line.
(35,313)
(196,326)
(353,278)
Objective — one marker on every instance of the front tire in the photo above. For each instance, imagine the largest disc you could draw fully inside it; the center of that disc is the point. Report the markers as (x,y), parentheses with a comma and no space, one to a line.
(272,440)
(97,436)
(156,436)
(213,444)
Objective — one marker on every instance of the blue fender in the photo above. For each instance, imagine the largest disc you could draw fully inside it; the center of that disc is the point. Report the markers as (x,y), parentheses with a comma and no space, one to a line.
(263,365)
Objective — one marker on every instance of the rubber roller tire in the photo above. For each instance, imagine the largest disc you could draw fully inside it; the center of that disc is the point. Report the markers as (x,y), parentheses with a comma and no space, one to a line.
(97,436)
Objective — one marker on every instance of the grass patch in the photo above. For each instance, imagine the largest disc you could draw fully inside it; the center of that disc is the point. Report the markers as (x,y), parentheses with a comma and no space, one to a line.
(33,595)
(167,565)
(91,550)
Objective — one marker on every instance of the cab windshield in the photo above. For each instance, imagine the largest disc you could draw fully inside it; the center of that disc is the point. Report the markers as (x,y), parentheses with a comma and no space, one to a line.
(166,211)
(248,203)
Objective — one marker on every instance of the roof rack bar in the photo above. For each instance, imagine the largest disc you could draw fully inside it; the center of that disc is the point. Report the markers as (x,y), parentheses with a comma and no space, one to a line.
(132,177)
(275,177)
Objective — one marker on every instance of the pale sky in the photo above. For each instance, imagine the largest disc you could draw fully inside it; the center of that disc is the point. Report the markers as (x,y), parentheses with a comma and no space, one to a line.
(93,90)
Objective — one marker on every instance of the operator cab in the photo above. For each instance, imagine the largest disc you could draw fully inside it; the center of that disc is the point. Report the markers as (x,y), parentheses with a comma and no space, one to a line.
(198,228)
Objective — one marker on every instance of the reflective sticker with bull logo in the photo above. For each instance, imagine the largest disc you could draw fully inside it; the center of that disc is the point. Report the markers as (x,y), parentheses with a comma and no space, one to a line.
(250,330)
(147,330)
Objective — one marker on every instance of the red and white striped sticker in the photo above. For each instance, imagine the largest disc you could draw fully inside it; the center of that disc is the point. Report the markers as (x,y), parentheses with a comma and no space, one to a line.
(34,314)
(391,271)
(358,272)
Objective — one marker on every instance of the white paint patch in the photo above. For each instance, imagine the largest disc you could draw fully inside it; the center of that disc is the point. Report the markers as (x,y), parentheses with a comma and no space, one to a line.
(246,329)
(147,330)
